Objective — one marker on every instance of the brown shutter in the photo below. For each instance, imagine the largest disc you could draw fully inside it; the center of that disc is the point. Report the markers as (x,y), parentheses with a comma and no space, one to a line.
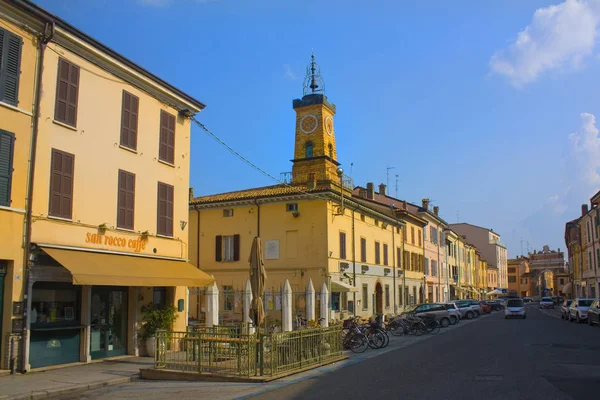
(126,200)
(218,248)
(166,150)
(129,120)
(67,93)
(165,210)
(236,247)
(343,245)
(385,254)
(61,184)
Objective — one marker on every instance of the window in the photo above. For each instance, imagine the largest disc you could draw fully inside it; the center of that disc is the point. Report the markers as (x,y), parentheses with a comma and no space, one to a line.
(387,296)
(10,67)
(228,212)
(363,250)
(7,141)
(330,148)
(590,261)
(228,298)
(227,248)
(512,270)
(385,254)
(291,207)
(165,210)
(365,296)
(376,223)
(129,120)
(426,266)
(400,297)
(56,304)
(67,93)
(420,240)
(512,279)
(61,184)
(159,297)
(562,281)
(308,150)
(126,200)
(412,234)
(377,253)
(425,233)
(434,268)
(362,217)
(343,245)
(398,256)
(166,148)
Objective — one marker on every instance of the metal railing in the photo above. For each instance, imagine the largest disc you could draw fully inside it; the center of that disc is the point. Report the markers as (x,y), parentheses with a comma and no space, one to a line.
(225,351)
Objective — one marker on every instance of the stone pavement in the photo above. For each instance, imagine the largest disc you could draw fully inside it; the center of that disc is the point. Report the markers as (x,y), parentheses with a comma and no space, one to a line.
(76,378)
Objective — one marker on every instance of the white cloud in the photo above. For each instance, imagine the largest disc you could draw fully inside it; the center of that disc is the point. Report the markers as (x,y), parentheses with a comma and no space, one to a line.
(559,36)
(287,72)
(584,153)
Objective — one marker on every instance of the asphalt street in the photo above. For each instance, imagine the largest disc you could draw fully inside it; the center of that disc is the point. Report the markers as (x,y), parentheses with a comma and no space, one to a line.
(541,357)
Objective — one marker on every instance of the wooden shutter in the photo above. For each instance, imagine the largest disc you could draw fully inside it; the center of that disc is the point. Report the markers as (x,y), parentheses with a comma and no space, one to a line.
(67,93)
(166,150)
(7,141)
(165,210)
(126,200)
(385,254)
(129,120)
(10,66)
(343,245)
(363,250)
(236,247)
(61,184)
(218,248)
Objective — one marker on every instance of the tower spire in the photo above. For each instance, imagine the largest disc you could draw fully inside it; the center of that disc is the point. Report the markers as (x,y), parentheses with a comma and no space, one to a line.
(313,82)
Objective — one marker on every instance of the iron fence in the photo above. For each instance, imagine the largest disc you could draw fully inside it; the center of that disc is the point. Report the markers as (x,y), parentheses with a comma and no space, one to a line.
(231,351)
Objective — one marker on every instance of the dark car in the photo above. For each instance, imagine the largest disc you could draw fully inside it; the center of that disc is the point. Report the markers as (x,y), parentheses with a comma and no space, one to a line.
(495,305)
(594,313)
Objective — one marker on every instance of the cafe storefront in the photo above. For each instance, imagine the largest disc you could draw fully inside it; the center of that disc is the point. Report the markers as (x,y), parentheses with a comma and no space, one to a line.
(85,304)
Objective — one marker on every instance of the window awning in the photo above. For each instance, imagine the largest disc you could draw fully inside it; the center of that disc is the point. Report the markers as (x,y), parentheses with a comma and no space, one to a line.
(338,286)
(92,268)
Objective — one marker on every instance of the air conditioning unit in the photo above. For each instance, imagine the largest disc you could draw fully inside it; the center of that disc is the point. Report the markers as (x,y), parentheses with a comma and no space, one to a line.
(344,266)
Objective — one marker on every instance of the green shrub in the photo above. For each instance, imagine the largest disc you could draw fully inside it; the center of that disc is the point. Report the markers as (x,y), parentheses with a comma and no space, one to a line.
(154,319)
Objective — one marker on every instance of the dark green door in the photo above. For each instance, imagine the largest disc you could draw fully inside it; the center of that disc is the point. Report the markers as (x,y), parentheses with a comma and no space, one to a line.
(2,274)
(109,322)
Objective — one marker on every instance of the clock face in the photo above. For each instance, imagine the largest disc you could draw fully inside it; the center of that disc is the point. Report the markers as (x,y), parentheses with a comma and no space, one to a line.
(308,123)
(329,125)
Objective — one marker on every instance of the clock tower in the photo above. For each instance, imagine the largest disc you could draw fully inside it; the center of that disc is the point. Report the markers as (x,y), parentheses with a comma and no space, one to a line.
(315,157)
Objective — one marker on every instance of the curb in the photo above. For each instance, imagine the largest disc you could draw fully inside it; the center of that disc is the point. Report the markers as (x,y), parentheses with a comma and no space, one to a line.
(44,394)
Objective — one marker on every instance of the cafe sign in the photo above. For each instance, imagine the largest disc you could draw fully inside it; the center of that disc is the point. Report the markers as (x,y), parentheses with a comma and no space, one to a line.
(137,245)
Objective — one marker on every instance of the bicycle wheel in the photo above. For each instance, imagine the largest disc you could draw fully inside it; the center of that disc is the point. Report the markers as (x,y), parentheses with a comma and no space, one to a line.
(385,337)
(420,328)
(434,327)
(358,343)
(396,329)
(376,340)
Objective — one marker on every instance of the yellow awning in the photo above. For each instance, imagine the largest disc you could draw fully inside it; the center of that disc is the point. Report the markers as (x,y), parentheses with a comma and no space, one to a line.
(90,268)
(338,286)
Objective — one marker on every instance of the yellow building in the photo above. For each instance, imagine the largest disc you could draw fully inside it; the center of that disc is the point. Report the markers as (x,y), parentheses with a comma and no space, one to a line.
(108,229)
(18,52)
(314,233)
(452,264)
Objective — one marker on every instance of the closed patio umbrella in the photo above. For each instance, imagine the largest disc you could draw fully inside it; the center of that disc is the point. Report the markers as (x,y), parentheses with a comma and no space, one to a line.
(258,276)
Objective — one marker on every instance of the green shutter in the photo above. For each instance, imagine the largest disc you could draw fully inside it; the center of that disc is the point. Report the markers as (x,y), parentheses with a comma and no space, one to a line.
(7,140)
(10,67)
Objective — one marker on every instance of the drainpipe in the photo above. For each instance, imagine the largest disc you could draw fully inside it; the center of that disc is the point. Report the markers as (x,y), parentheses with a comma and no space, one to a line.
(439,269)
(595,259)
(404,294)
(353,261)
(257,217)
(394,268)
(41,49)
(198,261)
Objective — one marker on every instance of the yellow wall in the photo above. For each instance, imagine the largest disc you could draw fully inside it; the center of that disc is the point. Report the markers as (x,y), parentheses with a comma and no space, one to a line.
(16,120)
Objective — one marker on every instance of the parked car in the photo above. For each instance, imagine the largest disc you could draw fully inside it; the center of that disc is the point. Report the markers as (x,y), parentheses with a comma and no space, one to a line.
(438,310)
(495,305)
(527,299)
(515,308)
(486,308)
(466,311)
(475,304)
(594,313)
(564,309)
(454,312)
(547,302)
(579,308)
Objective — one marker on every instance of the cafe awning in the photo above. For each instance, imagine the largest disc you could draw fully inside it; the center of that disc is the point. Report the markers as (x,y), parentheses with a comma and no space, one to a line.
(94,268)
(339,286)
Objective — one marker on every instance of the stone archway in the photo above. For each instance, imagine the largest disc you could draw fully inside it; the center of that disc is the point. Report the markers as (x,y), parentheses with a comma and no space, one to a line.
(378,298)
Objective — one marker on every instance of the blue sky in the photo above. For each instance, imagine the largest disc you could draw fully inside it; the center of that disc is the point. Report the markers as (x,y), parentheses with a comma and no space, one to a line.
(486,107)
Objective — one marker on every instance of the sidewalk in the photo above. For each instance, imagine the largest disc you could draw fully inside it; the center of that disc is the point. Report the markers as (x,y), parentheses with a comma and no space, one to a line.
(48,383)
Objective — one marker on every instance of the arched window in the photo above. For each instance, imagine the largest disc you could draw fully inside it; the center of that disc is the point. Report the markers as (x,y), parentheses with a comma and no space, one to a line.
(308,150)
(330,151)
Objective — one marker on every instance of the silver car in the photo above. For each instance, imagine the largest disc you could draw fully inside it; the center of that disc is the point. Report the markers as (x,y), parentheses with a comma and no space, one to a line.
(474,305)
(466,311)
(579,308)
(454,312)
(564,308)
(437,310)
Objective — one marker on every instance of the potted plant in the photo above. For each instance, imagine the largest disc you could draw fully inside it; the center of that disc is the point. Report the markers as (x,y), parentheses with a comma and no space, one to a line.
(154,319)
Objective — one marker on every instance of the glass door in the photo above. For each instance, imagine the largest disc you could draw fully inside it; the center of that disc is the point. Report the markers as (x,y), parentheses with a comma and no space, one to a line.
(108,322)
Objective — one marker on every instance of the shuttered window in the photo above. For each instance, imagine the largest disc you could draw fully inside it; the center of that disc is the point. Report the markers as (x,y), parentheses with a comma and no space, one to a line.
(126,200)
(227,248)
(385,254)
(166,150)
(129,120)
(7,141)
(10,67)
(377,253)
(343,245)
(165,209)
(363,250)
(61,184)
(67,93)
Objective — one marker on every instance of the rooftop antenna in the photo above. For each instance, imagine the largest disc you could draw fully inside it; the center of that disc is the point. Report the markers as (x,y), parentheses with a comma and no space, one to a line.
(522,245)
(387,175)
(397,180)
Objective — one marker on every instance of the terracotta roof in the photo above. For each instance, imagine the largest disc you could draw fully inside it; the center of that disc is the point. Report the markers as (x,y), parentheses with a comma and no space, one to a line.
(265,191)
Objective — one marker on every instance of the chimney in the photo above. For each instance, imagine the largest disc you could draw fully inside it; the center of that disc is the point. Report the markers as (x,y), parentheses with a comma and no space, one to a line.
(370,191)
(362,193)
(584,209)
(404,205)
(425,203)
(436,210)
(382,189)
(191,194)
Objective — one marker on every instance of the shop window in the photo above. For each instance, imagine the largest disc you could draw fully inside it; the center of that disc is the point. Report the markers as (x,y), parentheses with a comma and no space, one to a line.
(55,304)
(159,297)
(335,301)
(228,298)
(365,296)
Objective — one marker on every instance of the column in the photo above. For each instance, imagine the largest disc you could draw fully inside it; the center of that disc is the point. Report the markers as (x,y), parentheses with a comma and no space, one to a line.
(212,304)
(325,304)
(310,301)
(286,307)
